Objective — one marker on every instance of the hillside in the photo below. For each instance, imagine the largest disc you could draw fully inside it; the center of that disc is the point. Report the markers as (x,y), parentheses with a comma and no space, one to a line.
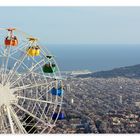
(128,71)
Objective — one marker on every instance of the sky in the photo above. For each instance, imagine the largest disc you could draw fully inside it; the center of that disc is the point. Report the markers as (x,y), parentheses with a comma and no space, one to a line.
(76,25)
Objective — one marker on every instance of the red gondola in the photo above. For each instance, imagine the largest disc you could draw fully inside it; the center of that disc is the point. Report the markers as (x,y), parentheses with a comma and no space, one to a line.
(11,40)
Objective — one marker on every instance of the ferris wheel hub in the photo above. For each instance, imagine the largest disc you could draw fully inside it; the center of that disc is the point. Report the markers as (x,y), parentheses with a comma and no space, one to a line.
(6,95)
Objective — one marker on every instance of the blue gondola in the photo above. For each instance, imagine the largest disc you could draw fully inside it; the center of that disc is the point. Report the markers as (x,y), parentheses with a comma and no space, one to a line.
(60,116)
(58,91)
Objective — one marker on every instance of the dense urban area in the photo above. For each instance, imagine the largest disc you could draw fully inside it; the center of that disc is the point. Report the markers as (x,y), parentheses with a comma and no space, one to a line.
(100,105)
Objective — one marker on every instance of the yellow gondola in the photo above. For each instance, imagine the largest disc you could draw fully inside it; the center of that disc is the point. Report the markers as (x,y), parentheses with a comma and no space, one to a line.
(37,51)
(33,51)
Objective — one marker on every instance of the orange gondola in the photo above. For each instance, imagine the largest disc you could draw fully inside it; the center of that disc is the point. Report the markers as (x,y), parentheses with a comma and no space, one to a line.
(11,40)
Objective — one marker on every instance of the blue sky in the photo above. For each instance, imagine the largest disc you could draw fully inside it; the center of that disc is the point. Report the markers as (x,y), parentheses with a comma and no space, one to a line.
(76,25)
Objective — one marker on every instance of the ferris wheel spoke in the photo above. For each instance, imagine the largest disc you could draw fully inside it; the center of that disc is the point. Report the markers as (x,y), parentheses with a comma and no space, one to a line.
(6,63)
(40,74)
(38,100)
(2,121)
(23,33)
(31,86)
(20,61)
(1,52)
(17,121)
(32,115)
(41,90)
(4,124)
(2,65)
(15,69)
(10,120)
(31,71)
(17,60)
(26,74)
(19,49)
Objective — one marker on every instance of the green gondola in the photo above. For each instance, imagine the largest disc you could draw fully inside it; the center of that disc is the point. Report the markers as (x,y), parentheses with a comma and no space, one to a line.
(49,68)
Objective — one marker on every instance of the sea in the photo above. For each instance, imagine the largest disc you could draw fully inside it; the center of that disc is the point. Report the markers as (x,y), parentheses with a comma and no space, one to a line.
(94,57)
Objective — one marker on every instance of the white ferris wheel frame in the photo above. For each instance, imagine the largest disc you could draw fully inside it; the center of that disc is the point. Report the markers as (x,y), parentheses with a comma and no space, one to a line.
(11,90)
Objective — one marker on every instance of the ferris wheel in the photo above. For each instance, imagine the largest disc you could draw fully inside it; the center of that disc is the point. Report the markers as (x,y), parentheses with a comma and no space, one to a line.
(31,87)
